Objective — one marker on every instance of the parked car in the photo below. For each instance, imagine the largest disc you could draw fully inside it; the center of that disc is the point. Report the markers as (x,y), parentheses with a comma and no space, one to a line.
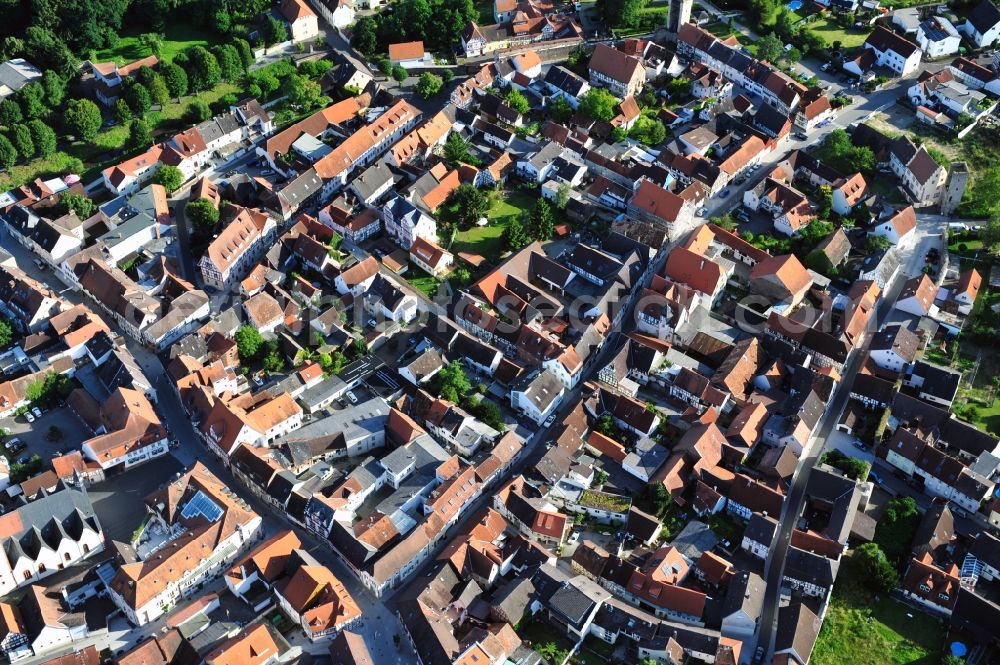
(257,380)
(859,445)
(41,265)
(802,136)
(758,655)
(724,193)
(23,459)
(14,445)
(27,416)
(551,419)
(372,323)
(875,478)
(351,396)
(573,537)
(38,412)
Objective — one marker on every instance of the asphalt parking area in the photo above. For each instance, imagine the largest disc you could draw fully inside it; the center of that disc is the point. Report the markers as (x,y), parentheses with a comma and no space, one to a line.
(61,425)
(119,500)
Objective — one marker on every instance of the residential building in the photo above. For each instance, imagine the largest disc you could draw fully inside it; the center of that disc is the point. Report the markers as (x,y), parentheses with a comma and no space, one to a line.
(237,248)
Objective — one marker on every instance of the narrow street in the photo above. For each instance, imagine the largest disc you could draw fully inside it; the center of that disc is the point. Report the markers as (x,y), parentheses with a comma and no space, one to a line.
(795,498)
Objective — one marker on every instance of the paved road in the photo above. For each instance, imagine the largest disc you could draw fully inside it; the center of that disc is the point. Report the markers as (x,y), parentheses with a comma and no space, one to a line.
(911,264)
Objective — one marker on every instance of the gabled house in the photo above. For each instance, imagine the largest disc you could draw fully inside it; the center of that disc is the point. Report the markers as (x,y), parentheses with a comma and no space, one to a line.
(982,24)
(623,75)
(303,24)
(892,51)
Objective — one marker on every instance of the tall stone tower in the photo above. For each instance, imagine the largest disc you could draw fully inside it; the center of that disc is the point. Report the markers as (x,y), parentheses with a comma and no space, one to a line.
(680,13)
(954,187)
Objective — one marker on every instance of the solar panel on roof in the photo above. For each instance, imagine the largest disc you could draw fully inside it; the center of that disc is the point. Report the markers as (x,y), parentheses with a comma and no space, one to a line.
(200,504)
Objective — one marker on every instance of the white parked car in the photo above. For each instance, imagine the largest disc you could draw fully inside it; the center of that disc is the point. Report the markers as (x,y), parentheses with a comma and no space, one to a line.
(351,396)
(27,416)
(573,537)
(37,412)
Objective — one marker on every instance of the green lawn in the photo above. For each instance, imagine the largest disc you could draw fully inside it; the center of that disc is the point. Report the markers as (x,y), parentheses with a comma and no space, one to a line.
(178,36)
(831,32)
(864,631)
(421,281)
(486,240)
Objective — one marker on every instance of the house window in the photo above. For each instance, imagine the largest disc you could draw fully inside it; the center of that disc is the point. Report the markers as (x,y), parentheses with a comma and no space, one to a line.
(66,556)
(925,588)
(86,548)
(41,568)
(943,596)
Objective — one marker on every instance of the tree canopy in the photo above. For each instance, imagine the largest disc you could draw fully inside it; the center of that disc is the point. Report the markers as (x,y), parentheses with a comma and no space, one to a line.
(169,176)
(203,214)
(621,13)
(429,85)
(877,571)
(82,118)
(78,203)
(464,206)
(248,342)
(599,104)
(839,153)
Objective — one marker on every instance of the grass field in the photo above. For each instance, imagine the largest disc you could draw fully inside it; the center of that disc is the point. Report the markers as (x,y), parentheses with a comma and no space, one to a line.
(178,36)
(421,281)
(831,32)
(864,631)
(486,240)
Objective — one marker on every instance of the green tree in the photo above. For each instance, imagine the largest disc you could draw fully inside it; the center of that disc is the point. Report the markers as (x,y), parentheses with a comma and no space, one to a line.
(793,55)
(176,80)
(49,51)
(447,75)
(622,13)
(21,137)
(429,85)
(514,236)
(900,508)
(302,92)
(562,196)
(6,333)
(122,112)
(315,69)
(197,111)
(599,104)
(203,68)
(248,343)
(273,362)
(951,659)
(838,152)
(78,203)
(649,131)
(203,214)
(877,244)
(464,206)
(275,31)
(169,176)
(542,221)
(153,41)
(365,37)
(82,118)
(44,138)
(819,262)
(32,100)
(223,22)
(245,52)
(138,98)
(230,64)
(139,135)
(877,571)
(517,101)
(560,110)
(385,66)
(451,383)
(765,13)
(457,150)
(399,73)
(770,48)
(158,90)
(55,88)
(10,113)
